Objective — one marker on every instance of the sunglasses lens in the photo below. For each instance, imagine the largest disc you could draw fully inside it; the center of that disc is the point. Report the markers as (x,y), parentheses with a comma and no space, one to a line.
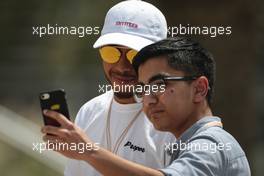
(110,54)
(131,54)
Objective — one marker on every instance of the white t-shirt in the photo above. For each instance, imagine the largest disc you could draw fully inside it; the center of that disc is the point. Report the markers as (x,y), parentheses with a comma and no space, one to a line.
(142,143)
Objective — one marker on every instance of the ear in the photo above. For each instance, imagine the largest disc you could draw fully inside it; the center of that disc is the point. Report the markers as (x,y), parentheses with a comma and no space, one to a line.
(201,87)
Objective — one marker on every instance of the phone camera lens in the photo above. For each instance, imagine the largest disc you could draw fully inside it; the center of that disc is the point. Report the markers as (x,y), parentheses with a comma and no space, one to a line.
(45,96)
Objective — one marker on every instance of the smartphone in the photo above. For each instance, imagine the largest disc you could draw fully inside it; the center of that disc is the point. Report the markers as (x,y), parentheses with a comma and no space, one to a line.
(56,101)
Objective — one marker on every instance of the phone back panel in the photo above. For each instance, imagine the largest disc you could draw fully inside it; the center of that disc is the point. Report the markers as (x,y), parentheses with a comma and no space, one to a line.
(56,101)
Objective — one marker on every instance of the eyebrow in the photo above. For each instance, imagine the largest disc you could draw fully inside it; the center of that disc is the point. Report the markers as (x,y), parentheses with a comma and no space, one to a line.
(158,76)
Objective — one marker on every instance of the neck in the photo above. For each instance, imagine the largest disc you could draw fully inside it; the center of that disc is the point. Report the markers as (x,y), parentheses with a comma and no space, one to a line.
(192,119)
(130,100)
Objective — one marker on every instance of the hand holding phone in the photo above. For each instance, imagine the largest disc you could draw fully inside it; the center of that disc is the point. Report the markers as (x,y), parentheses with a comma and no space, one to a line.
(55,101)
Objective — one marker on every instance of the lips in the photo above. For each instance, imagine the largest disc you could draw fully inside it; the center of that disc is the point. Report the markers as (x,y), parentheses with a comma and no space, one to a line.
(154,113)
(123,78)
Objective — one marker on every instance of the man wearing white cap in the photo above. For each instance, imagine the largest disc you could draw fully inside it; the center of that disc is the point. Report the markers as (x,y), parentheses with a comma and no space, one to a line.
(114,119)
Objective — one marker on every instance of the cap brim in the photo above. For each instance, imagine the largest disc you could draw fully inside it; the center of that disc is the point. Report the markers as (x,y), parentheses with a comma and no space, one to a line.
(128,40)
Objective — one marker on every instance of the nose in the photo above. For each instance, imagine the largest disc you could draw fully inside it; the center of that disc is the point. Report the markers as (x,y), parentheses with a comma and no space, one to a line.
(123,64)
(148,101)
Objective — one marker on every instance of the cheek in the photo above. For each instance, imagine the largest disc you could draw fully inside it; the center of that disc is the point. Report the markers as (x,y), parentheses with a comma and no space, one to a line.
(107,69)
(145,109)
(176,101)
(169,100)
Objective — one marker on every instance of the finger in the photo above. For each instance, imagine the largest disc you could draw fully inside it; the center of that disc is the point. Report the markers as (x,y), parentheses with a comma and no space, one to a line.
(52,143)
(59,132)
(61,119)
(52,139)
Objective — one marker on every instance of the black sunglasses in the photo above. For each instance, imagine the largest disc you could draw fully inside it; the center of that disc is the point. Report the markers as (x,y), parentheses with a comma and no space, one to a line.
(157,85)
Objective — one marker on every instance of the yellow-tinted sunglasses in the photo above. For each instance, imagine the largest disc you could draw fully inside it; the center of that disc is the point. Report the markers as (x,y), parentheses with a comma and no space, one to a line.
(112,54)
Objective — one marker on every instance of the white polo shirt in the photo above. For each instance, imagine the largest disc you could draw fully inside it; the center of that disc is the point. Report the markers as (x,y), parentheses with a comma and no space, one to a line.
(141,144)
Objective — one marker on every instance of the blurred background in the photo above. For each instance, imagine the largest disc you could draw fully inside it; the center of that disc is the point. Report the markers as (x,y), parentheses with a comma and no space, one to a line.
(30,64)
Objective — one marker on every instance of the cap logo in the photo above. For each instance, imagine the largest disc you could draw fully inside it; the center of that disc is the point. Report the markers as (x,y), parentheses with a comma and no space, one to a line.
(125,23)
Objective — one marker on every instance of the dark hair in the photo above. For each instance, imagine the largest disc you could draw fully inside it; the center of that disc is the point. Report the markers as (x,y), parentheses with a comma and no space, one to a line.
(182,54)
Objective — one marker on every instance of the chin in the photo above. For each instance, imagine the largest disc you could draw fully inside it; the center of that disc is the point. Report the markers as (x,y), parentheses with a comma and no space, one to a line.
(159,126)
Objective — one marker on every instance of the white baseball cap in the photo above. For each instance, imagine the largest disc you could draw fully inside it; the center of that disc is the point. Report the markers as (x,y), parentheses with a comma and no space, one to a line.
(134,24)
